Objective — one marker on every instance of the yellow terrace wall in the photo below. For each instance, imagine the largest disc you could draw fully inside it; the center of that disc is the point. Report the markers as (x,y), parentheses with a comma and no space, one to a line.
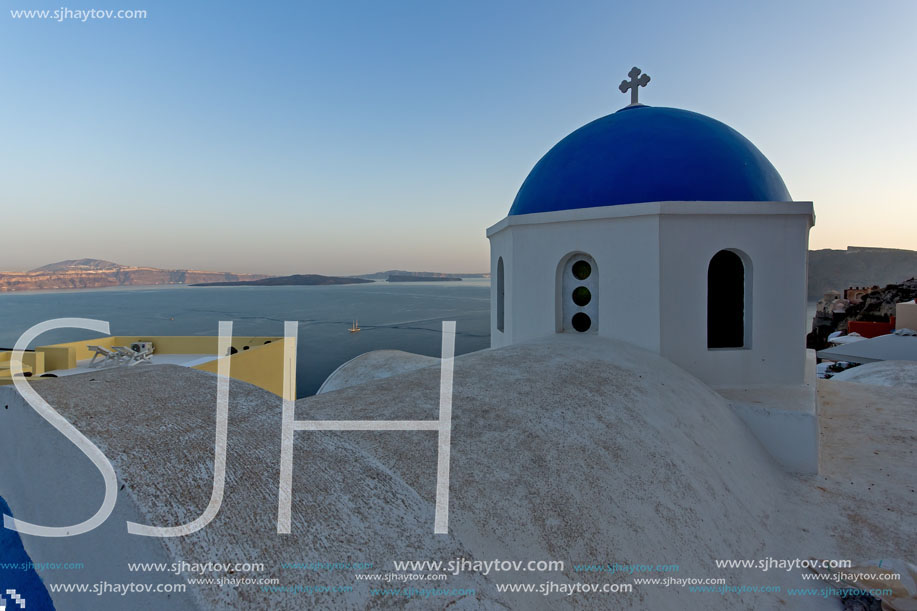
(65,356)
(262,366)
(258,360)
(32,362)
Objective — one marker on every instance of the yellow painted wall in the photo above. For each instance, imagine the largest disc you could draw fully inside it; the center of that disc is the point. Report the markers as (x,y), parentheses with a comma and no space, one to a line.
(65,356)
(258,360)
(261,365)
(32,362)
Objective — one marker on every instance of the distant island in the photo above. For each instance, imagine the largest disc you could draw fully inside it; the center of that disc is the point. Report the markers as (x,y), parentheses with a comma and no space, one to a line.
(400,272)
(96,273)
(402,278)
(828,269)
(294,280)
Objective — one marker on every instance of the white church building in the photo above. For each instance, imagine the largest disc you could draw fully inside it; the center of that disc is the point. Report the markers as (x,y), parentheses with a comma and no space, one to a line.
(669,230)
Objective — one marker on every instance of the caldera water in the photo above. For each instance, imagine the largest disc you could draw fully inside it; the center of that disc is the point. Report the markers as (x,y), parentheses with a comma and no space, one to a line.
(401,316)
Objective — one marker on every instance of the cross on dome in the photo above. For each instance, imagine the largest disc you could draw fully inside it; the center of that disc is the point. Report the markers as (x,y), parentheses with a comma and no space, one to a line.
(636,81)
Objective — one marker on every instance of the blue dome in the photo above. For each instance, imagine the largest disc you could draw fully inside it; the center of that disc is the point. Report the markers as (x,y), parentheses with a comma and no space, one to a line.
(649,154)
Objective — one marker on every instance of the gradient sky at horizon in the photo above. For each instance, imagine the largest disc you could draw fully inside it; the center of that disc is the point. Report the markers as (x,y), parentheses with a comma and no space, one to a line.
(351,137)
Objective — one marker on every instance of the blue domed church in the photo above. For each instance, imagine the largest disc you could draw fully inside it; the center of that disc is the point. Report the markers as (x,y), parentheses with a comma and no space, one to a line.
(666,229)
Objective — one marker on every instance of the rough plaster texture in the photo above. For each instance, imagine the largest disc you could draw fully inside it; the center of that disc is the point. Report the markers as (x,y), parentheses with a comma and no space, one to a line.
(156,424)
(866,493)
(580,449)
(373,366)
(882,373)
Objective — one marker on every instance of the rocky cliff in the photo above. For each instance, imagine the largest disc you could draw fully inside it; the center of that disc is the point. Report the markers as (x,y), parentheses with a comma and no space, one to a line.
(95,273)
(858,266)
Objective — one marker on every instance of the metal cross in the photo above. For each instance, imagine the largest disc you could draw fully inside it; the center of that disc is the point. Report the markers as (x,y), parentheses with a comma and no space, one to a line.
(636,81)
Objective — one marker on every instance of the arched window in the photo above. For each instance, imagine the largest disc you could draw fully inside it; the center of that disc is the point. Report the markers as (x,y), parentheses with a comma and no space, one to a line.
(578,298)
(726,296)
(501,303)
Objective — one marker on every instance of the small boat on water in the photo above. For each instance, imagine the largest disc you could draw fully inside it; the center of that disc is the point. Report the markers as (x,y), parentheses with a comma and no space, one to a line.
(355,327)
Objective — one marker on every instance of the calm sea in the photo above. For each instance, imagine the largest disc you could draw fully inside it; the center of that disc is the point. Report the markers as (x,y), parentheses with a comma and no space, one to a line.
(393,316)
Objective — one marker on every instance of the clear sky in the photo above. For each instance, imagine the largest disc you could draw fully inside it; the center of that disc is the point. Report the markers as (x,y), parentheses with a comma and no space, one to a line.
(347,137)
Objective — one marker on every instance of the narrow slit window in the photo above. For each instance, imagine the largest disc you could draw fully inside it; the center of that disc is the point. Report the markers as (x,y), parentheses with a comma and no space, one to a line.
(501,304)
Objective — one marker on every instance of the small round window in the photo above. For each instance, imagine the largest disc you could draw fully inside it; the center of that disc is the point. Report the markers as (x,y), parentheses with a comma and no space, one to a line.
(581,322)
(581,296)
(581,270)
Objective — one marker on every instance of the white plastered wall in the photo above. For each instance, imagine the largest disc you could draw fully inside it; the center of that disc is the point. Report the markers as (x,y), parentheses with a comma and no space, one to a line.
(772,240)
(626,253)
(652,262)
